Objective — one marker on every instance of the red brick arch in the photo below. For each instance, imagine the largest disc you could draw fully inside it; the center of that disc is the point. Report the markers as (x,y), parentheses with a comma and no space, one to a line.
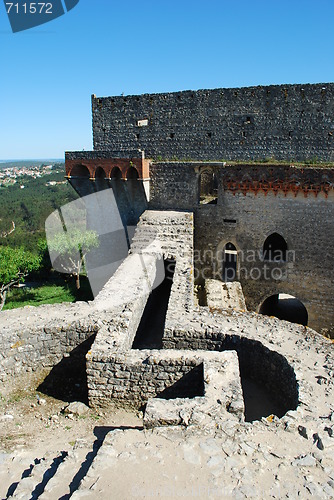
(74,168)
(80,170)
(116,173)
(100,173)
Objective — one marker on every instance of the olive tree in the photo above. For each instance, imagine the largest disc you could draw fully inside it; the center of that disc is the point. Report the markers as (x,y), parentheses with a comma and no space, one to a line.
(15,265)
(69,250)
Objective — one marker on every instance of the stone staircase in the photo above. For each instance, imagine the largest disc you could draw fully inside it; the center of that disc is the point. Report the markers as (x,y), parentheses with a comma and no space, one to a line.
(33,484)
(54,478)
(67,478)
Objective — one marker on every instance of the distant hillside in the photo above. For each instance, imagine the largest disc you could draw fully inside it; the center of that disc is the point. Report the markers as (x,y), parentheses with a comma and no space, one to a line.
(29,163)
(28,203)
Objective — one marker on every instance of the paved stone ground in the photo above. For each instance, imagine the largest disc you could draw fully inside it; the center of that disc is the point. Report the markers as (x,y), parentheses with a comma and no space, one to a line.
(255,462)
(286,458)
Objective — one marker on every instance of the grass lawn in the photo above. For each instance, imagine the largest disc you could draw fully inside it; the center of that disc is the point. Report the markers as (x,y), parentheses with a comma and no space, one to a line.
(49,293)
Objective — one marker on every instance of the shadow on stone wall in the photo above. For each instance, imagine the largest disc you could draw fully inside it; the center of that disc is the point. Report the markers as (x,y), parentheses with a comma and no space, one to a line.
(268,381)
(152,325)
(67,380)
(189,386)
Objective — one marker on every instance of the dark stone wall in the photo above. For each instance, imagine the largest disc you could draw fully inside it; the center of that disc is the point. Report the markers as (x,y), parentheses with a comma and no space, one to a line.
(307,225)
(103,155)
(290,122)
(247,217)
(173,186)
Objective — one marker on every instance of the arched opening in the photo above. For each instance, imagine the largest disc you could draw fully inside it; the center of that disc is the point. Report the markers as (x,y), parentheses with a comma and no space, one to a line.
(132,174)
(275,248)
(208,188)
(230,256)
(80,171)
(116,173)
(287,307)
(100,173)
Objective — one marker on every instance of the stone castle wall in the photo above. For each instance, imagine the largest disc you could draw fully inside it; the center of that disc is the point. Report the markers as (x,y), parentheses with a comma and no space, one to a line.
(285,122)
(290,122)
(297,204)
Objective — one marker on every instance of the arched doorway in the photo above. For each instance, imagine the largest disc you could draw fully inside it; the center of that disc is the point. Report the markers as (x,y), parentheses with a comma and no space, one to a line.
(286,307)
(275,248)
(208,188)
(230,256)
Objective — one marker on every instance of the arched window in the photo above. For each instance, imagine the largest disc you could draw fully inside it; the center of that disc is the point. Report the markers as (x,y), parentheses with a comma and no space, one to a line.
(275,248)
(132,174)
(208,188)
(100,173)
(285,307)
(116,173)
(230,262)
(80,171)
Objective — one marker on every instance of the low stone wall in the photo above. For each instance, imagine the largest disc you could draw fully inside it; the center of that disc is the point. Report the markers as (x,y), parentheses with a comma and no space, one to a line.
(34,339)
(121,302)
(113,370)
(117,372)
(222,397)
(265,366)
(173,233)
(137,376)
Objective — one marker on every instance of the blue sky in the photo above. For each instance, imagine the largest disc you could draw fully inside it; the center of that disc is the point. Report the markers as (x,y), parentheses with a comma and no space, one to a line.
(108,47)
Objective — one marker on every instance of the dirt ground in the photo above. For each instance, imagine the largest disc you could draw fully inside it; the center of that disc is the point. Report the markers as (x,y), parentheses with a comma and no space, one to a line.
(33,426)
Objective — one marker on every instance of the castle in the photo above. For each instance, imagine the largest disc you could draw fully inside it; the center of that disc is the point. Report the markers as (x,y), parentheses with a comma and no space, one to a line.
(181,147)
(231,193)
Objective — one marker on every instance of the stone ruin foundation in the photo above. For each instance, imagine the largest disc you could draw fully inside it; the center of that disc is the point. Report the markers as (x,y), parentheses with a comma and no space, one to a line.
(211,368)
(155,360)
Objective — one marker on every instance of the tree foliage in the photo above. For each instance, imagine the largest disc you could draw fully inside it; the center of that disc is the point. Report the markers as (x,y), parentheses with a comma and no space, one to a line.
(15,265)
(30,207)
(69,249)
(5,234)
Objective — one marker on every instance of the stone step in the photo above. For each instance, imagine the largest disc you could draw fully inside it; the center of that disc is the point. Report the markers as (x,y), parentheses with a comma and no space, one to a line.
(59,484)
(43,470)
(68,476)
(221,295)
